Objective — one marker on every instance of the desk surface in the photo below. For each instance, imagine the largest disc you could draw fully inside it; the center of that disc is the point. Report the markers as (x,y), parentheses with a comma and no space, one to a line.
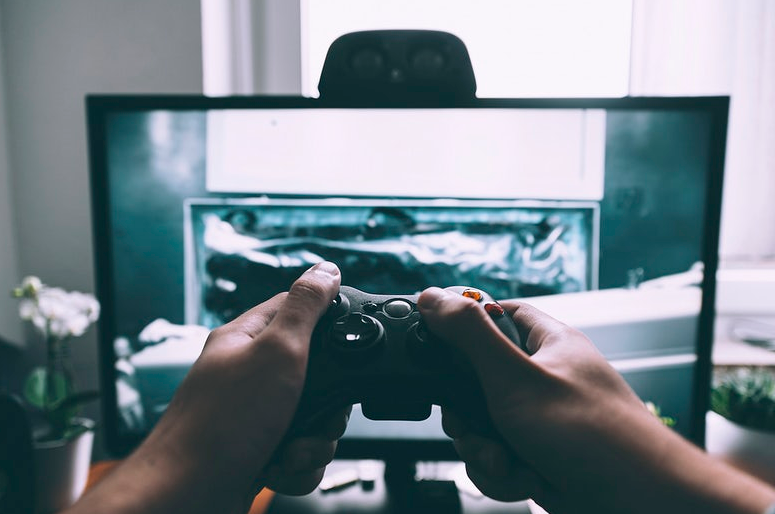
(356,500)
(728,352)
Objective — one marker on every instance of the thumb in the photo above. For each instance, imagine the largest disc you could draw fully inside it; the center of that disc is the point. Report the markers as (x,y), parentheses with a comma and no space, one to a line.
(464,324)
(539,330)
(308,298)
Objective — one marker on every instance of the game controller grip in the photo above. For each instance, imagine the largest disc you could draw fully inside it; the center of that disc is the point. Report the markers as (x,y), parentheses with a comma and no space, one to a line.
(374,349)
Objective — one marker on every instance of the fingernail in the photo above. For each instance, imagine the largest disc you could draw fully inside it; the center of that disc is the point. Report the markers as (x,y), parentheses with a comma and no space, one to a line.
(325,267)
(494,310)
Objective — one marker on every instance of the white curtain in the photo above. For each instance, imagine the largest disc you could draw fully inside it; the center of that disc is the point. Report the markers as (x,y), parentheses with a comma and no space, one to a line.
(251,47)
(721,47)
(748,216)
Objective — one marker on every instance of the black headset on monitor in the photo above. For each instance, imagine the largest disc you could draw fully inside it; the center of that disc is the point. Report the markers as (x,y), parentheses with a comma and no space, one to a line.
(397,67)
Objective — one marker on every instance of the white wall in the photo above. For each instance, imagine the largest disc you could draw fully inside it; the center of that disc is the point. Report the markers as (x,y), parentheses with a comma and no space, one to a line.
(10,328)
(56,52)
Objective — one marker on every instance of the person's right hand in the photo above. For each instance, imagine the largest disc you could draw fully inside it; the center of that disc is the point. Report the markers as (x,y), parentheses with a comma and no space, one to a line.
(576,437)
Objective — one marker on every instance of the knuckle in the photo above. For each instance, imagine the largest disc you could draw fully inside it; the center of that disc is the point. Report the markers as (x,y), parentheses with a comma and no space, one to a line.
(566,332)
(216,334)
(471,312)
(310,289)
(283,346)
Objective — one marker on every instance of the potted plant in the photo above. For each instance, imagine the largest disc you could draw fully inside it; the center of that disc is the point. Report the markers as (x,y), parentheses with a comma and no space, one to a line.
(741,422)
(63,440)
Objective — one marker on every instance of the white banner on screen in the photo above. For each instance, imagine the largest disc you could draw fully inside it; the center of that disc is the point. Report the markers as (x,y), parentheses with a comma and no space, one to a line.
(460,153)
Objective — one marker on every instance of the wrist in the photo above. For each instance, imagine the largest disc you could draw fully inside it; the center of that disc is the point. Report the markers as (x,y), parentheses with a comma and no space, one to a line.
(161,478)
(717,487)
(679,475)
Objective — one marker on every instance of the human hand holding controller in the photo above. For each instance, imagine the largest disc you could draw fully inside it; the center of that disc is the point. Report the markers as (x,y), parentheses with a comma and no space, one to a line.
(374,349)
(568,430)
(216,444)
(575,437)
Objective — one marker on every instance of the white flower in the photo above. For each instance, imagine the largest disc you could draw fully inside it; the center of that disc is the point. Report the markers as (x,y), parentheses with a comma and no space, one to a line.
(55,312)
(52,303)
(86,304)
(27,309)
(41,323)
(77,325)
(31,284)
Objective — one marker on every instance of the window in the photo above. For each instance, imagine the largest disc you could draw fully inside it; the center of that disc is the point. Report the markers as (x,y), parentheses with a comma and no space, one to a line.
(518,48)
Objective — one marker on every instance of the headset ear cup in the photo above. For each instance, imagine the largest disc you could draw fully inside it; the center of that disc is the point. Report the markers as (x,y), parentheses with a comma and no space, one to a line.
(17,473)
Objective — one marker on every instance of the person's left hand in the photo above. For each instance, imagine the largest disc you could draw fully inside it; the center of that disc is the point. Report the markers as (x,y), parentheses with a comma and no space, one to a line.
(211,450)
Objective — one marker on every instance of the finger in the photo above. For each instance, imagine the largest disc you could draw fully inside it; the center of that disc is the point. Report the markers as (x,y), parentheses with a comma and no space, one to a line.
(536,328)
(297,484)
(306,454)
(334,427)
(461,322)
(521,483)
(248,325)
(255,320)
(308,298)
(330,425)
(497,471)
(453,425)
(492,458)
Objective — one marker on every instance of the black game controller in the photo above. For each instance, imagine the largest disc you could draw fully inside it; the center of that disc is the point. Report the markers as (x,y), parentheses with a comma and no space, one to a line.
(375,350)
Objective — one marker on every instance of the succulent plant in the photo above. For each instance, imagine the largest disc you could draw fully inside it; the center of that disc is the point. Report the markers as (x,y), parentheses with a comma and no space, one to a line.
(746,396)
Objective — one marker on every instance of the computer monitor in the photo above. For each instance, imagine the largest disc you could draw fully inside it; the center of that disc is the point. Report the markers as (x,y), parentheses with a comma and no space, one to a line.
(602,212)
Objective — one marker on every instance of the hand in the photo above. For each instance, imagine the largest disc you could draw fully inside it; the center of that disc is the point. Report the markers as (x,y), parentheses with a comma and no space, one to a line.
(575,436)
(211,450)
(299,466)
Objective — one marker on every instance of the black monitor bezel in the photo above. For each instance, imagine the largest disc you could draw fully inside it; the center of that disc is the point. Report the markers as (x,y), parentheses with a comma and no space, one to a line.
(98,107)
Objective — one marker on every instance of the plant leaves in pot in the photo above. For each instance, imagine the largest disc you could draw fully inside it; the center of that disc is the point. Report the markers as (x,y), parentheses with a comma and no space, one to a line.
(63,439)
(740,427)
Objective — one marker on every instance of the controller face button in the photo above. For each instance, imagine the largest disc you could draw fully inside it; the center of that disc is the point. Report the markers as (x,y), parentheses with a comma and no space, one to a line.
(494,310)
(398,309)
(356,332)
(370,307)
(473,294)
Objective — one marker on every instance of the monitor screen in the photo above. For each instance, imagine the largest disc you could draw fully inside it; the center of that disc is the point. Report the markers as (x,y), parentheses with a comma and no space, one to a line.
(604,213)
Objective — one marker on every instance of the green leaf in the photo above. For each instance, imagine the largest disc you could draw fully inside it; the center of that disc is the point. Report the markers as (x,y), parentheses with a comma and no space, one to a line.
(36,388)
(746,396)
(73,431)
(64,411)
(78,399)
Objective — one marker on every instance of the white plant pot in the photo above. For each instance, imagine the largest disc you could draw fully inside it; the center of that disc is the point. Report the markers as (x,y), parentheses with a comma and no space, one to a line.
(745,448)
(61,470)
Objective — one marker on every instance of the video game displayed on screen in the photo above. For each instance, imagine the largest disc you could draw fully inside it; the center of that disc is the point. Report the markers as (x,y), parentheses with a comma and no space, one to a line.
(595,214)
